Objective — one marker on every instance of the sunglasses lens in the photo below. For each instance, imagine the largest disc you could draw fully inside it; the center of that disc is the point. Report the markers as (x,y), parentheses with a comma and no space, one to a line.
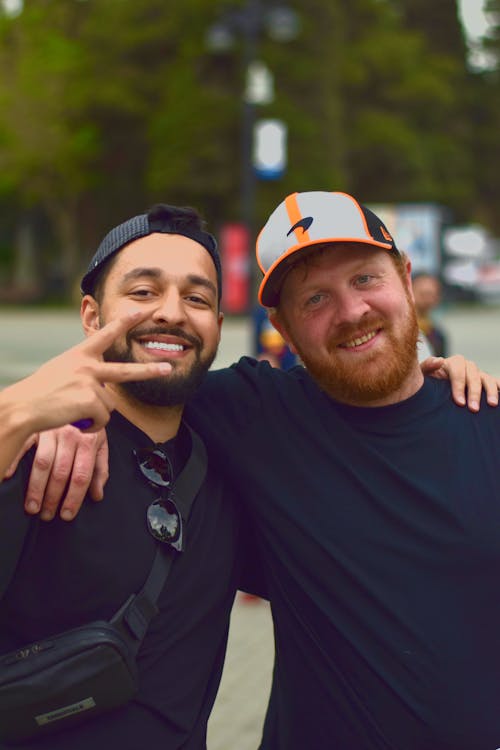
(164,523)
(156,467)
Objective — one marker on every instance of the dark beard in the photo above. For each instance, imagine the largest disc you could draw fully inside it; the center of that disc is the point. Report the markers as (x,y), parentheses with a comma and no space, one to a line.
(372,379)
(171,390)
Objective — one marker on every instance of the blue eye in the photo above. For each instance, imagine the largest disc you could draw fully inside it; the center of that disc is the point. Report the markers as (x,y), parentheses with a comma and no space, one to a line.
(315,299)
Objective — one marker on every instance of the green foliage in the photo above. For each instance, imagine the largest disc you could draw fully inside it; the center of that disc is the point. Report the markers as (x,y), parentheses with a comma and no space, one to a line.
(109,105)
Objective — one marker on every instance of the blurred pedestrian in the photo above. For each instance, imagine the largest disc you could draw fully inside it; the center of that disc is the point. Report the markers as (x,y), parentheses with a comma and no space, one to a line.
(269,344)
(427,295)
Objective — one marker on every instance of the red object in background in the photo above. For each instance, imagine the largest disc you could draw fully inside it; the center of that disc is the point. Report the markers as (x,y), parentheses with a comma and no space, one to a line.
(234,240)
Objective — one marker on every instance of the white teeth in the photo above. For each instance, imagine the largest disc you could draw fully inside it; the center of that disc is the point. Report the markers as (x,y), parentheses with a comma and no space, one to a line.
(360,340)
(163,347)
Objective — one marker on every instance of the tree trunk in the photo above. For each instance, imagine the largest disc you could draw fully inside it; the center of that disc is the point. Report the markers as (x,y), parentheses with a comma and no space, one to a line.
(68,264)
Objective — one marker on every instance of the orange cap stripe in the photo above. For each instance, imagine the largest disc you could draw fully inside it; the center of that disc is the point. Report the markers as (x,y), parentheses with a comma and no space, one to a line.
(295,215)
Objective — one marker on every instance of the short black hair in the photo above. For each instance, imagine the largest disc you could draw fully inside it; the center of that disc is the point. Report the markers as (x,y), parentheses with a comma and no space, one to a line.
(162,217)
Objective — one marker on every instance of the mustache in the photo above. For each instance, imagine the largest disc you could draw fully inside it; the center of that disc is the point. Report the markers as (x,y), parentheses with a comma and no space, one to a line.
(165,331)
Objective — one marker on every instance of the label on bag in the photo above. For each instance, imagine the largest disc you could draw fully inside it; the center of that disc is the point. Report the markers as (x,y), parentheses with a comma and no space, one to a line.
(61,713)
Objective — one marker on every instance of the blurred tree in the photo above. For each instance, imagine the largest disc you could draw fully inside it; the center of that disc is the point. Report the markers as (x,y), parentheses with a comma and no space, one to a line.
(107,106)
(374,102)
(484,103)
(448,124)
(405,109)
(194,114)
(103,111)
(439,23)
(46,142)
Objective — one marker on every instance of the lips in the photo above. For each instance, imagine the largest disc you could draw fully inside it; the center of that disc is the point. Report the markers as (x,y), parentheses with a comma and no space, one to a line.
(164,339)
(359,340)
(165,346)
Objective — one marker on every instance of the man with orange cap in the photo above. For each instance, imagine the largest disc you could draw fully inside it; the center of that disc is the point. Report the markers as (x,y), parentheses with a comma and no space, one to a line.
(375,498)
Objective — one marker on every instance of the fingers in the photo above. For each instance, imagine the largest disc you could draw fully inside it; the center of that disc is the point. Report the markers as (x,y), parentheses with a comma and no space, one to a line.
(467,381)
(28,444)
(115,372)
(81,475)
(40,471)
(430,365)
(466,377)
(101,469)
(456,370)
(474,385)
(100,406)
(490,385)
(62,455)
(102,339)
(70,474)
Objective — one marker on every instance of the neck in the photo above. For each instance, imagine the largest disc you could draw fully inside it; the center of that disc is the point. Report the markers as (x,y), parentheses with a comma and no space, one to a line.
(160,423)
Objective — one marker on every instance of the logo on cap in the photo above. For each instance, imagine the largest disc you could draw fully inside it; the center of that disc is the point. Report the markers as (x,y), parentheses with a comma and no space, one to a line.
(303,223)
(386,234)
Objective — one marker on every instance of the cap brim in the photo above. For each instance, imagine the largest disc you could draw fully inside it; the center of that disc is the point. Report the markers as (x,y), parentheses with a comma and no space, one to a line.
(270,287)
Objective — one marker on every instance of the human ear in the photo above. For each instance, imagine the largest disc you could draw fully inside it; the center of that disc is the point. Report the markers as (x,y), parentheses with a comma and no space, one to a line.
(408,278)
(278,323)
(89,314)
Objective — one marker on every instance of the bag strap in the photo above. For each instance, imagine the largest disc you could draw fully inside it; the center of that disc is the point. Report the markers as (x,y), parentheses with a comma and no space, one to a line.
(134,616)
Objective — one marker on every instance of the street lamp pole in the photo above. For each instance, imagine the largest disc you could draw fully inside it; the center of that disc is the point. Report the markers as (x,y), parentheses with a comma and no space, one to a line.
(251,29)
(248,22)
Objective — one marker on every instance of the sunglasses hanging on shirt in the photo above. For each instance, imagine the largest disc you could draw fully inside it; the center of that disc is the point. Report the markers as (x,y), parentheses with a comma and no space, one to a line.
(163,518)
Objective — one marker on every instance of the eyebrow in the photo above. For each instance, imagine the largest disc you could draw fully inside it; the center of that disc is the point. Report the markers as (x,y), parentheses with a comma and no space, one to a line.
(157,273)
(202,281)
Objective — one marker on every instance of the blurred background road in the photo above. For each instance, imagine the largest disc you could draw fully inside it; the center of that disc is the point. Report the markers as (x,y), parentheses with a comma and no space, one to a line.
(30,336)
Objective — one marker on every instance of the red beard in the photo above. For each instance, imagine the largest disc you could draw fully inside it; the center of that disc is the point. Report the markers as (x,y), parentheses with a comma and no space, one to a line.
(372,376)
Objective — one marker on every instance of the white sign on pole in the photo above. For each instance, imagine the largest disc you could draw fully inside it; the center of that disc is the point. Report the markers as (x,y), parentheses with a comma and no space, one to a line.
(270,149)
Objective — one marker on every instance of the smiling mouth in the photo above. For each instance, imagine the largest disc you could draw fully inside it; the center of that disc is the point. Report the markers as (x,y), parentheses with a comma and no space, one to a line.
(359,340)
(161,346)
(166,341)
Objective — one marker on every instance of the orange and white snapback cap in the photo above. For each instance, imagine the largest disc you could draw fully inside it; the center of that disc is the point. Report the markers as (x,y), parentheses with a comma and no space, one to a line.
(304,220)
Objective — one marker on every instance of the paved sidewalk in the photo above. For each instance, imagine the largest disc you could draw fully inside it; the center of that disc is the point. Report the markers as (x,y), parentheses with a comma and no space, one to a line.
(236,720)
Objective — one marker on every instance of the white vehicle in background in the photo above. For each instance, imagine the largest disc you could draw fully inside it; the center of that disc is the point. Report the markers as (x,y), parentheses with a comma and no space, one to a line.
(472,262)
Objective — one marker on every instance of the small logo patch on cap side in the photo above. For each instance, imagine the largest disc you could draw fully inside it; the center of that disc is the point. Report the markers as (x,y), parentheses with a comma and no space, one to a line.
(304,224)
(386,234)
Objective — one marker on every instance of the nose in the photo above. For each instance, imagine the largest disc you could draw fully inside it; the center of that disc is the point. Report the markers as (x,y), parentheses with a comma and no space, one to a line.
(350,306)
(170,308)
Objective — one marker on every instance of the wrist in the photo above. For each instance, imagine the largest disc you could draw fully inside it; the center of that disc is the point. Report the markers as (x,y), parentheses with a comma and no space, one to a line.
(17,419)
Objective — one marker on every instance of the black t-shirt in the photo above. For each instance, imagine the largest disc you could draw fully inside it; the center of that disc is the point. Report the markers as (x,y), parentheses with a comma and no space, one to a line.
(66,574)
(380,532)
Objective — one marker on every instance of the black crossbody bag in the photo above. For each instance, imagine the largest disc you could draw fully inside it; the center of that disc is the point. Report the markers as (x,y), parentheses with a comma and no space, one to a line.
(65,679)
